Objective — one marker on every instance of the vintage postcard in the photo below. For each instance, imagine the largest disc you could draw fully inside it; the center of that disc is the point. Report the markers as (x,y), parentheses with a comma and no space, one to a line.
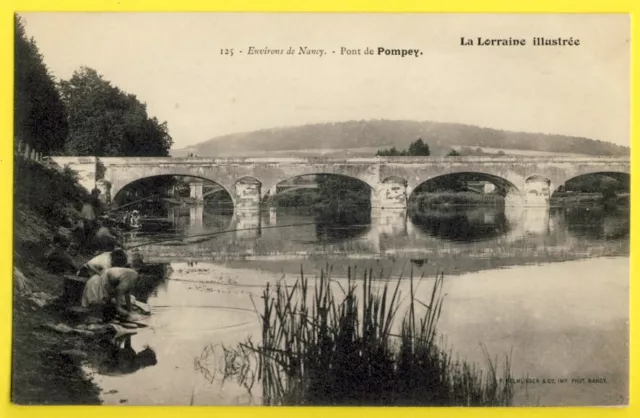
(321,209)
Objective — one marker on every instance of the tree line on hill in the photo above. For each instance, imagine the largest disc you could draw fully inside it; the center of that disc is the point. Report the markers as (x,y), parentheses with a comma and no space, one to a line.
(416,149)
(419,148)
(85,115)
(365,137)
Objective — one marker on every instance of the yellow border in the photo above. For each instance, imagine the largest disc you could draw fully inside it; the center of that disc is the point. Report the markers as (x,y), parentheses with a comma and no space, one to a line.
(8,7)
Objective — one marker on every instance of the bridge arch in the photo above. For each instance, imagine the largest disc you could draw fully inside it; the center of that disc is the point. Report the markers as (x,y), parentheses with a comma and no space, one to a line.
(458,181)
(270,184)
(560,177)
(214,191)
(274,184)
(118,192)
(609,183)
(344,190)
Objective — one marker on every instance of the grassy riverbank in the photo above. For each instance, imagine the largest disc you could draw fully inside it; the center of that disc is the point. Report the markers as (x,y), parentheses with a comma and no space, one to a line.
(40,373)
(321,346)
(561,199)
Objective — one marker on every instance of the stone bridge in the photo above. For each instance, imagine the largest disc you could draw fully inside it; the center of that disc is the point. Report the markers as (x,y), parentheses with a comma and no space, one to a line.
(391,179)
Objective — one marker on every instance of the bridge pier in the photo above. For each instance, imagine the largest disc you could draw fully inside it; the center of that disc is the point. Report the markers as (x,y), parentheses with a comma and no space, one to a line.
(248,224)
(390,194)
(537,191)
(196,213)
(273,216)
(247,195)
(390,222)
(197,191)
(536,220)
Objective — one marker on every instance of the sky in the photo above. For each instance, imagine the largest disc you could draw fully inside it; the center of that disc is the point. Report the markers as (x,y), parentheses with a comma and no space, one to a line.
(173,62)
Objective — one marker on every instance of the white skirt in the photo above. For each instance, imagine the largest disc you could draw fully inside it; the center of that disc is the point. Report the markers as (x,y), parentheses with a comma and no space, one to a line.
(95,291)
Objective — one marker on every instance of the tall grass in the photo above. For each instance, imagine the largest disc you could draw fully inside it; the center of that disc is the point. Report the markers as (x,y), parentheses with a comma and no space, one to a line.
(318,350)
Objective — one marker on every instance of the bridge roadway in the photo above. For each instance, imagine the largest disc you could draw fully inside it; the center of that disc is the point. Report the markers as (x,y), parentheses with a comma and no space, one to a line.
(391,179)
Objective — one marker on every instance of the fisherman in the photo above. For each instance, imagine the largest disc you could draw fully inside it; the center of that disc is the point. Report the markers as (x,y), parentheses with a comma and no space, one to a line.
(134,219)
(95,201)
(88,220)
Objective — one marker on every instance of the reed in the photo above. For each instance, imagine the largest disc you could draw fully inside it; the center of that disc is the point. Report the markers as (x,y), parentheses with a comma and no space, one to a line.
(318,350)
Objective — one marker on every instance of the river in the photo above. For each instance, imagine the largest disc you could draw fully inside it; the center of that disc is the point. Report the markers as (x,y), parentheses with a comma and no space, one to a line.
(548,286)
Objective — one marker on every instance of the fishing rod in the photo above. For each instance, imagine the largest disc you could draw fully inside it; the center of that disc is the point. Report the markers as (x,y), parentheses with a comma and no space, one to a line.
(130,203)
(226,231)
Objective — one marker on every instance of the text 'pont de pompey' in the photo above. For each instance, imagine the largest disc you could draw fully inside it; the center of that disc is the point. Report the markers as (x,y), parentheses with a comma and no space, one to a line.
(321,52)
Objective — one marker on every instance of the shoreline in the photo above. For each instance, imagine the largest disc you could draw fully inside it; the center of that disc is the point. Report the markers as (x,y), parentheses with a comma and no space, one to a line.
(469,297)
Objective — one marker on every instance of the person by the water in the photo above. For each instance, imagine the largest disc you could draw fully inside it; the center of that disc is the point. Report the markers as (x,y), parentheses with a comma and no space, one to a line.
(134,219)
(59,259)
(95,201)
(101,262)
(111,287)
(106,239)
(91,210)
(88,218)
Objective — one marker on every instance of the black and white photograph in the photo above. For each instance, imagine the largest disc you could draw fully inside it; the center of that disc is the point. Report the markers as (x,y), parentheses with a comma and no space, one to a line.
(321,209)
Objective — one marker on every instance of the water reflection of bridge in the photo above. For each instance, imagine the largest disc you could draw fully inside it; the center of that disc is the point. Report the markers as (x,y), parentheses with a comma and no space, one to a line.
(490,232)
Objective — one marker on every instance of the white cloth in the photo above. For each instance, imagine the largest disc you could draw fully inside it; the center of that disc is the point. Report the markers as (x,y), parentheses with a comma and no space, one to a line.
(96,291)
(88,212)
(99,288)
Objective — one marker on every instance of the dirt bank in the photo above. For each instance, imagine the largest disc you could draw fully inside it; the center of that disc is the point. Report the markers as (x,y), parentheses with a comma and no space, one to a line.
(45,363)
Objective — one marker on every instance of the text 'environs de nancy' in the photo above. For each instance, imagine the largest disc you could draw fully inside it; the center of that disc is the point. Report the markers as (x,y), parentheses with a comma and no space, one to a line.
(535,41)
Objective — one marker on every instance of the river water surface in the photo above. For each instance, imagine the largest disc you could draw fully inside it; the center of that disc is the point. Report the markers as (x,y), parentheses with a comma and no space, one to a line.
(548,286)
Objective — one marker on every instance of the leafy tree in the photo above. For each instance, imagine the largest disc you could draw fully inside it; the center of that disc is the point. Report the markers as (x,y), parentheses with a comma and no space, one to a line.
(416,149)
(419,148)
(598,183)
(40,118)
(105,121)
(453,153)
(391,152)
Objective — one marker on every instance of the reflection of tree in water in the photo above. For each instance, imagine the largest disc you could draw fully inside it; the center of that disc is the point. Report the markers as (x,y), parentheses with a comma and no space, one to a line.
(152,209)
(343,209)
(475,224)
(597,223)
(218,219)
(332,231)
